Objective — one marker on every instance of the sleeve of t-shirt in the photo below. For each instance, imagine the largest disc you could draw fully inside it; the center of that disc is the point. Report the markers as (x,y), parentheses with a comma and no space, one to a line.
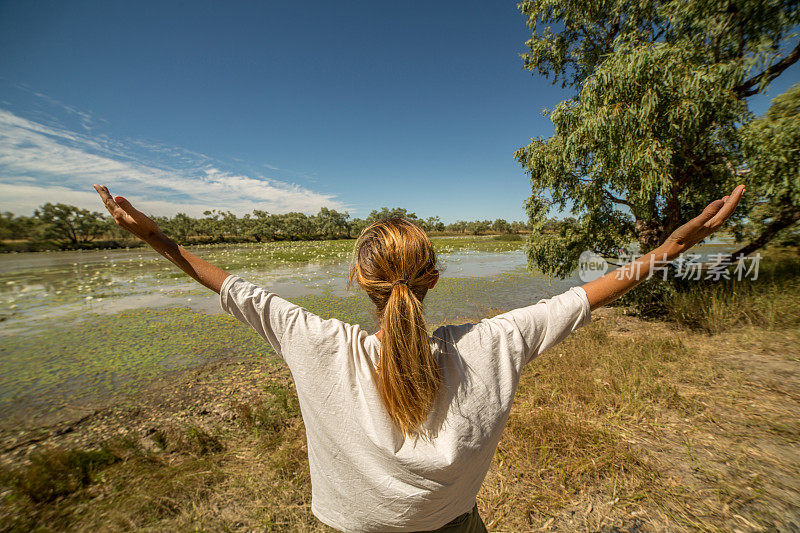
(528,331)
(268,314)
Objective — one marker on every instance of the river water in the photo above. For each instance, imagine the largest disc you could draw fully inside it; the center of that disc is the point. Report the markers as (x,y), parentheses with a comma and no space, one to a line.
(79,327)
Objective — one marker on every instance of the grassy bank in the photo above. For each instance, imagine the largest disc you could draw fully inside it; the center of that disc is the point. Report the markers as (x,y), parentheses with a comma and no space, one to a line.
(26,245)
(637,425)
(769,302)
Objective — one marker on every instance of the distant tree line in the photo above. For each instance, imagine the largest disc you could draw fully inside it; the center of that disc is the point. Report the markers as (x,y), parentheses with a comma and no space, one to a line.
(68,226)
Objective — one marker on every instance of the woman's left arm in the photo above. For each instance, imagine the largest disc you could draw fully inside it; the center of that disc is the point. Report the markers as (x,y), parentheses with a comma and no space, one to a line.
(608,288)
(139,224)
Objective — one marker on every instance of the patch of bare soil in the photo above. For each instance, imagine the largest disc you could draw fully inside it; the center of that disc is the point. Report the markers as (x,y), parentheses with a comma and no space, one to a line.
(627,426)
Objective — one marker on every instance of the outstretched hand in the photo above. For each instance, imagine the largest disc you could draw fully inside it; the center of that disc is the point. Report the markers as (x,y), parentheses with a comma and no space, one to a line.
(608,288)
(703,225)
(133,220)
(128,217)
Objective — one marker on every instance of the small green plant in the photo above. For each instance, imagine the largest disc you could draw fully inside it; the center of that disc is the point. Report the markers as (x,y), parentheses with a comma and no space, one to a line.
(201,442)
(272,413)
(55,472)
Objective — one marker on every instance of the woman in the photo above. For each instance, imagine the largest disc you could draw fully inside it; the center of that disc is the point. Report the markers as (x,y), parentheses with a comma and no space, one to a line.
(401,427)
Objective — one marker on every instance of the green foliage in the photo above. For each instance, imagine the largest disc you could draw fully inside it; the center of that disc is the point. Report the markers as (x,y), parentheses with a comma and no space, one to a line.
(769,302)
(773,146)
(67,226)
(501,226)
(772,149)
(331,224)
(70,224)
(659,125)
(432,224)
(181,226)
(55,472)
(16,227)
(385,213)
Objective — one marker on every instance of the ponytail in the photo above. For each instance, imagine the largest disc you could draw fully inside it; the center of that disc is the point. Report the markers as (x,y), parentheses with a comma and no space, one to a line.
(394,262)
(408,375)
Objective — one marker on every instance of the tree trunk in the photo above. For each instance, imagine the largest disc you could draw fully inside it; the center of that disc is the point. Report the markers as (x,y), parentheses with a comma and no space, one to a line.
(649,234)
(73,236)
(786,218)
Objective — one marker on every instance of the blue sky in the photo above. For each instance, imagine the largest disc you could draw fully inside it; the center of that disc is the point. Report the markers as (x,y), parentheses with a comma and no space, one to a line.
(283,106)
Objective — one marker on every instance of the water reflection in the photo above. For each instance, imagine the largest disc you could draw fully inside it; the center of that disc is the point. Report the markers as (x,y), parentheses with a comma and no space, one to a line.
(53,284)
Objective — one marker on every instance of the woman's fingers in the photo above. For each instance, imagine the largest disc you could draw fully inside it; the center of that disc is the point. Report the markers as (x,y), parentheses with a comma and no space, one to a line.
(711,210)
(108,201)
(111,204)
(103,192)
(727,208)
(125,205)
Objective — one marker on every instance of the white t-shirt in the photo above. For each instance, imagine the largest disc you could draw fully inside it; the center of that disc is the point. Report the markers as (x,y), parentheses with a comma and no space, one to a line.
(365,475)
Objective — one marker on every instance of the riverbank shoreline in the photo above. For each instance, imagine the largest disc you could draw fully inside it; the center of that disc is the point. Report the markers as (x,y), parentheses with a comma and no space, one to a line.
(628,423)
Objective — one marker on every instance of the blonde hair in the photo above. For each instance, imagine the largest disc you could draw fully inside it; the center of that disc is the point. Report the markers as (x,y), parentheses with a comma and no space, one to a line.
(394,262)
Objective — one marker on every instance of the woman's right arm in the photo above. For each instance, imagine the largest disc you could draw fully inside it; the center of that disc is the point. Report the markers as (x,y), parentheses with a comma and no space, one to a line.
(131,219)
(608,288)
(526,332)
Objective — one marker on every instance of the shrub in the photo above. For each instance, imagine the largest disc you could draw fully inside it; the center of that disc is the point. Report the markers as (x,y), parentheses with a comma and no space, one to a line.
(769,302)
(55,472)
(507,237)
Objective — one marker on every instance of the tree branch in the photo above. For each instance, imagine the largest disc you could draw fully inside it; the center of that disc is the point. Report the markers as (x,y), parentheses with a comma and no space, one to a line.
(615,199)
(587,37)
(787,217)
(613,30)
(746,88)
(589,182)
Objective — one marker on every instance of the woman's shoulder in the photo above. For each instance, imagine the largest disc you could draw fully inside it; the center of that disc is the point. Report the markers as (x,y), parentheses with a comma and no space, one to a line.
(451,334)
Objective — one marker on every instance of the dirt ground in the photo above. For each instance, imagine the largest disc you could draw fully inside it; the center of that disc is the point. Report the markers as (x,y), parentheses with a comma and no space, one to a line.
(626,426)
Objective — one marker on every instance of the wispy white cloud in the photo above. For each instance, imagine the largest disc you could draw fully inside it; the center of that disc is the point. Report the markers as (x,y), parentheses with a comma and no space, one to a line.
(30,196)
(47,163)
(87,120)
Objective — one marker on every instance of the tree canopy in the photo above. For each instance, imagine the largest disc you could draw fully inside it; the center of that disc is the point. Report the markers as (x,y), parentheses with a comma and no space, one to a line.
(658,125)
(68,226)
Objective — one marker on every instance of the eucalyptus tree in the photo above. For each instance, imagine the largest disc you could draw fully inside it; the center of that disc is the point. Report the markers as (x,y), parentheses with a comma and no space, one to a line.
(330,224)
(69,224)
(501,225)
(180,226)
(296,226)
(433,224)
(772,149)
(657,124)
(385,213)
(17,227)
(262,226)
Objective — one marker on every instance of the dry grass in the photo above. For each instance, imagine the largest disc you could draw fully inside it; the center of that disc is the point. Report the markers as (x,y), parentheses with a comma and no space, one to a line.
(639,426)
(248,474)
(769,302)
(628,424)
